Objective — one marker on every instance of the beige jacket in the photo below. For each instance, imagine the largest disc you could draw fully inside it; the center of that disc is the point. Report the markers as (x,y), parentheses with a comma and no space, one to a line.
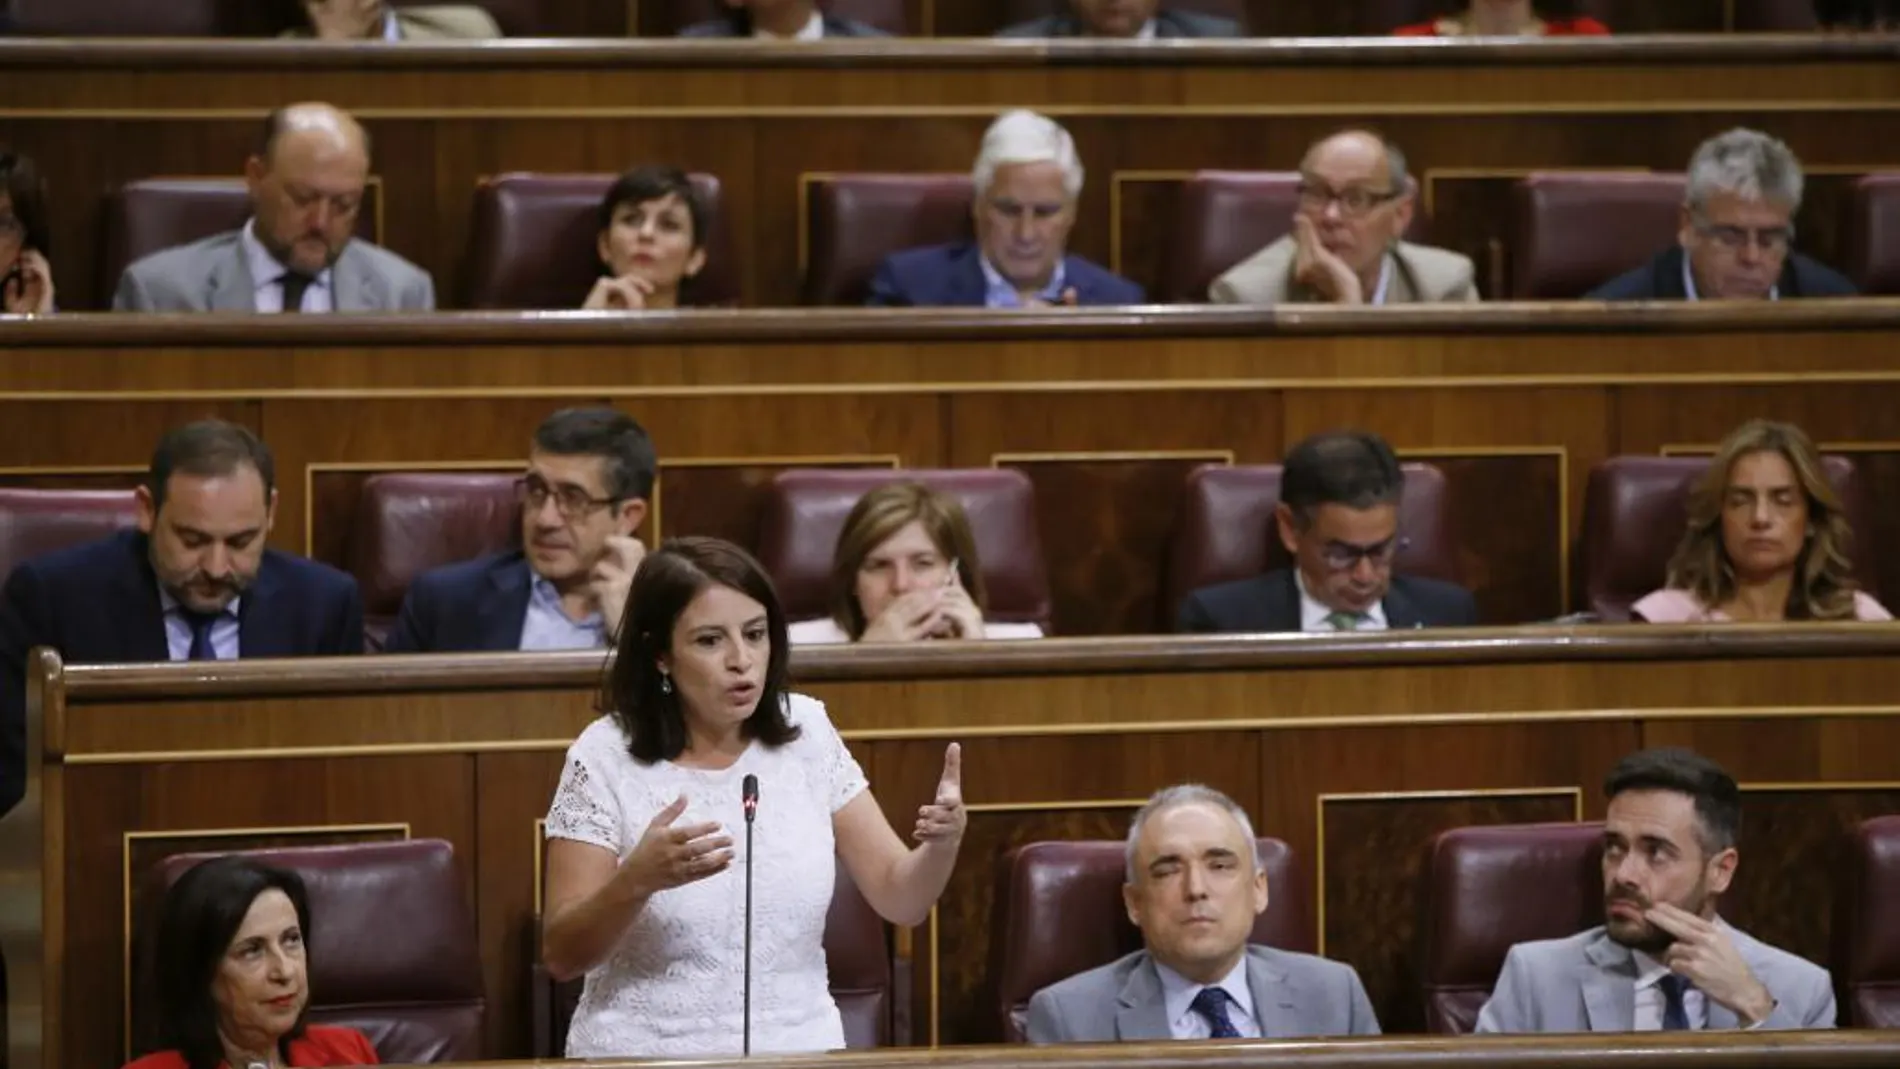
(437,22)
(1420,275)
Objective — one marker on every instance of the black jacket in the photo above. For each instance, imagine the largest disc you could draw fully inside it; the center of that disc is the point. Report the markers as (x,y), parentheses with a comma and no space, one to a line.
(1271,603)
(1661,280)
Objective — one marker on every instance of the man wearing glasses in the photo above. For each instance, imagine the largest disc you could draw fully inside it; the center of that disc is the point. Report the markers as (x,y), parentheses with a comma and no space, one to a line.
(1737,233)
(1346,247)
(1339,518)
(590,476)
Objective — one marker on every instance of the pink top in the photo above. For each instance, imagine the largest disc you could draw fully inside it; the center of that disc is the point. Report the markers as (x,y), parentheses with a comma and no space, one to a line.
(1680,607)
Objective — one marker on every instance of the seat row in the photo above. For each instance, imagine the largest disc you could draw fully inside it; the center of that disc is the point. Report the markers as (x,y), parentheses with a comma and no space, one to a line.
(533,235)
(407,523)
(417,991)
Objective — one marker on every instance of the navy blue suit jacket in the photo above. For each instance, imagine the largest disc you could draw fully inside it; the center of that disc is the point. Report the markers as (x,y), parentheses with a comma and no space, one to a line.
(951,276)
(476,606)
(1271,603)
(98,603)
(1661,280)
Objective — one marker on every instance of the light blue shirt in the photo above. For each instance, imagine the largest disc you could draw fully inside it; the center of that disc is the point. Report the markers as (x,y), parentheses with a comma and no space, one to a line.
(999,292)
(392,31)
(224,630)
(1177,994)
(546,627)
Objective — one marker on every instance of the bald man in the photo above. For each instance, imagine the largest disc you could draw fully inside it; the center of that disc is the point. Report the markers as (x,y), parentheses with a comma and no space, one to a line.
(1355,202)
(298,252)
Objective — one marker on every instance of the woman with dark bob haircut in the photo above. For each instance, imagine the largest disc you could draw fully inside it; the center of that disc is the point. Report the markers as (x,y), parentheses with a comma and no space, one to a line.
(234,974)
(644,886)
(652,242)
(26,278)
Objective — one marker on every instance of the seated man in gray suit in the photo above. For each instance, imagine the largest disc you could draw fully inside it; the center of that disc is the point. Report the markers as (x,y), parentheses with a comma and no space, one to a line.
(1194,887)
(1347,246)
(1138,20)
(779,20)
(1663,960)
(298,252)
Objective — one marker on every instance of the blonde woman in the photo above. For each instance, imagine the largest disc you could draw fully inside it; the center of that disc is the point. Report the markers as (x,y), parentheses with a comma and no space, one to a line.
(1767,539)
(905,570)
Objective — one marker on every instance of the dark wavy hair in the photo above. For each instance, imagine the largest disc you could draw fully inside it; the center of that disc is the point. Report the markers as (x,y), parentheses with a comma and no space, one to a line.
(201,915)
(20,181)
(666,583)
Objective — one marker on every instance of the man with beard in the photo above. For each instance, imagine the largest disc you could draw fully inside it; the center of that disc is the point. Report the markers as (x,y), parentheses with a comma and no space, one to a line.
(1355,203)
(193,582)
(586,491)
(299,251)
(1663,960)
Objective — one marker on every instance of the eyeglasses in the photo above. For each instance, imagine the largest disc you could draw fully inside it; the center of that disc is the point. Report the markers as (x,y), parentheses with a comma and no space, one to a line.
(532,492)
(1315,196)
(1344,556)
(1736,238)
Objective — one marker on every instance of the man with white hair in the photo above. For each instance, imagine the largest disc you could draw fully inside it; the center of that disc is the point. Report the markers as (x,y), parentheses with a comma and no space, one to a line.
(1737,232)
(1194,888)
(1027,180)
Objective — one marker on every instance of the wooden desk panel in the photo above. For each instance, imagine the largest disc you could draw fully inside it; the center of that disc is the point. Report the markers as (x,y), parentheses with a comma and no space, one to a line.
(1355,749)
(443,115)
(1106,411)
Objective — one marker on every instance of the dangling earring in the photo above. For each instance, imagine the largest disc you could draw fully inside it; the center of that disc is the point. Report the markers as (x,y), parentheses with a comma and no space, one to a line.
(666,683)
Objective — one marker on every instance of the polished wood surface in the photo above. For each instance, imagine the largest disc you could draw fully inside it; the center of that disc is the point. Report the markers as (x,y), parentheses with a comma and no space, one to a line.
(1106,411)
(1472,118)
(1354,749)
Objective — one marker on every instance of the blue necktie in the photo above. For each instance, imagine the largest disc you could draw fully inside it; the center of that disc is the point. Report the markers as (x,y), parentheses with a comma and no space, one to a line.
(1675,1013)
(1211,1003)
(201,624)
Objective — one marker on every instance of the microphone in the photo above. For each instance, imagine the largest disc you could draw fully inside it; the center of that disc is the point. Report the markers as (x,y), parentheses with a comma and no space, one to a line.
(749,799)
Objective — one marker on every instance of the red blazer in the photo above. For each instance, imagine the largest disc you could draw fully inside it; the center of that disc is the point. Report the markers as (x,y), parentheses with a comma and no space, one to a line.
(320,1045)
(1577,27)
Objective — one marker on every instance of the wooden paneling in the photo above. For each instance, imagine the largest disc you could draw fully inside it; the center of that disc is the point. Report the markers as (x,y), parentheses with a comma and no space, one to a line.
(442,118)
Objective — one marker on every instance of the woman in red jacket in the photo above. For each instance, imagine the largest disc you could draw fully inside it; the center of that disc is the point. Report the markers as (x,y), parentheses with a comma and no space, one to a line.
(1503,18)
(233,974)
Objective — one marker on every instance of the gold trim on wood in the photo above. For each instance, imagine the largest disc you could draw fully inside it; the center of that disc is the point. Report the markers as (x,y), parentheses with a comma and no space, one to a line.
(1561,452)
(936,1007)
(1428,191)
(1115,181)
(125,880)
(890,461)
(1319,810)
(1214,456)
(73,469)
(311,470)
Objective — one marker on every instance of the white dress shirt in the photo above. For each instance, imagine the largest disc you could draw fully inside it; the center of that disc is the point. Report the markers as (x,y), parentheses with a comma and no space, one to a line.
(267,274)
(392,30)
(1147,31)
(224,629)
(1385,281)
(1313,613)
(1650,1000)
(813,30)
(1177,995)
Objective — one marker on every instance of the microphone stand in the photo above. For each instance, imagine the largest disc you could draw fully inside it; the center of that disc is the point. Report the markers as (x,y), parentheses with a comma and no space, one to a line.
(750,799)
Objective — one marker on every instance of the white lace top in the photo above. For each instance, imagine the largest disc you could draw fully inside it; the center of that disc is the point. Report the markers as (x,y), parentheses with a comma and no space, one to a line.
(672,988)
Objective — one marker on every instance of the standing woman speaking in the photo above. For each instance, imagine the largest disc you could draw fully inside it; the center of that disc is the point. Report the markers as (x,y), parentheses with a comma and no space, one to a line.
(644,893)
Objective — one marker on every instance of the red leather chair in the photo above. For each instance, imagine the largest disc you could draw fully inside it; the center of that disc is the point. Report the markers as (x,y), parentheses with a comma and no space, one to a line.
(1578,230)
(1377,17)
(1223,217)
(36,522)
(1016,11)
(154,214)
(805,510)
(1866,955)
(1490,888)
(886,15)
(1635,511)
(1873,234)
(858,954)
(534,242)
(1059,912)
(853,221)
(1227,531)
(393,948)
(410,522)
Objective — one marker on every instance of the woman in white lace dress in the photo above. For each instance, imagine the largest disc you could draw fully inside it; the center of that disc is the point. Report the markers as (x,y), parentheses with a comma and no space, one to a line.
(645,888)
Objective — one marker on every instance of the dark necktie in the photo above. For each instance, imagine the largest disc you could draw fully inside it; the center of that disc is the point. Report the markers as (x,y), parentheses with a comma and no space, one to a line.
(1675,1013)
(294,283)
(201,625)
(1211,1004)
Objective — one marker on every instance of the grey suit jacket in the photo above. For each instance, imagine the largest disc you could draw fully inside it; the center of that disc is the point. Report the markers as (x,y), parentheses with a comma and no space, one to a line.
(212,276)
(435,22)
(1587,983)
(1293,994)
(1168,24)
(1420,275)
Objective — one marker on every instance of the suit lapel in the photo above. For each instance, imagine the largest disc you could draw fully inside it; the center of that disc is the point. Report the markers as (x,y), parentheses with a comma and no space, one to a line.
(967,289)
(1404,287)
(231,286)
(260,623)
(1283,603)
(1274,999)
(356,289)
(136,612)
(1400,612)
(504,616)
(1140,1011)
(1609,986)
